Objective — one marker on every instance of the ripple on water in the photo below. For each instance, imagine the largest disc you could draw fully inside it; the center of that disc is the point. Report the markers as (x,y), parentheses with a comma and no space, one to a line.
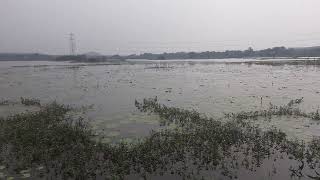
(215,84)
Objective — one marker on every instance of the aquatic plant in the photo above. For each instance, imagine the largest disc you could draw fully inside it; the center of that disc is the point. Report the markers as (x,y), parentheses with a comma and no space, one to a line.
(295,101)
(51,144)
(45,138)
(273,110)
(303,62)
(237,134)
(30,101)
(4,102)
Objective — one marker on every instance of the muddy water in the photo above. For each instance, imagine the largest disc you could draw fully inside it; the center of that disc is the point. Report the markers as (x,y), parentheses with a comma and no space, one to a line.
(211,88)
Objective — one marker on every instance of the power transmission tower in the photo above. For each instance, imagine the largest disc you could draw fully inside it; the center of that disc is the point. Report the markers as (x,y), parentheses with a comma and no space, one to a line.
(72,45)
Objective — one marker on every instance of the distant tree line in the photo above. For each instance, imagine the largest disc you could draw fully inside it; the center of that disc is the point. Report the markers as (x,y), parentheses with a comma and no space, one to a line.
(249,53)
(71,58)
(25,57)
(85,58)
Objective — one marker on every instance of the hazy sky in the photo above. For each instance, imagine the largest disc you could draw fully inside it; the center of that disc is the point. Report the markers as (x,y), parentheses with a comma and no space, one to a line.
(136,26)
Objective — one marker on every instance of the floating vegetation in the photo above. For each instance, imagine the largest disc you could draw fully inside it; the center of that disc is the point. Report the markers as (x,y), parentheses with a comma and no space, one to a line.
(122,122)
(195,146)
(295,101)
(112,125)
(211,136)
(286,110)
(314,62)
(30,101)
(77,67)
(43,138)
(114,133)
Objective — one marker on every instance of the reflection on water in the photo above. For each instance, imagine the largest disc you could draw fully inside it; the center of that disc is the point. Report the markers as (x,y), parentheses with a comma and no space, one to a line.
(211,88)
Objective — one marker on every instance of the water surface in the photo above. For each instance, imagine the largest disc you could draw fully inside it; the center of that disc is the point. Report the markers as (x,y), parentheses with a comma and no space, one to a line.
(209,87)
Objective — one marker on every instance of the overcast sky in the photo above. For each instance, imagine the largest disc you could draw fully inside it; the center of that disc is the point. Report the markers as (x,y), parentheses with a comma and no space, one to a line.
(137,26)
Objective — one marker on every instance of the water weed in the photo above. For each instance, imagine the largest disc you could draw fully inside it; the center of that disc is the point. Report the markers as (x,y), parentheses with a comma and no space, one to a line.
(66,148)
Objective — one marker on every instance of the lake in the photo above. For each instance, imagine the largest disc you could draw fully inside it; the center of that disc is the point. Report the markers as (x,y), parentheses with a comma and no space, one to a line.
(206,86)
